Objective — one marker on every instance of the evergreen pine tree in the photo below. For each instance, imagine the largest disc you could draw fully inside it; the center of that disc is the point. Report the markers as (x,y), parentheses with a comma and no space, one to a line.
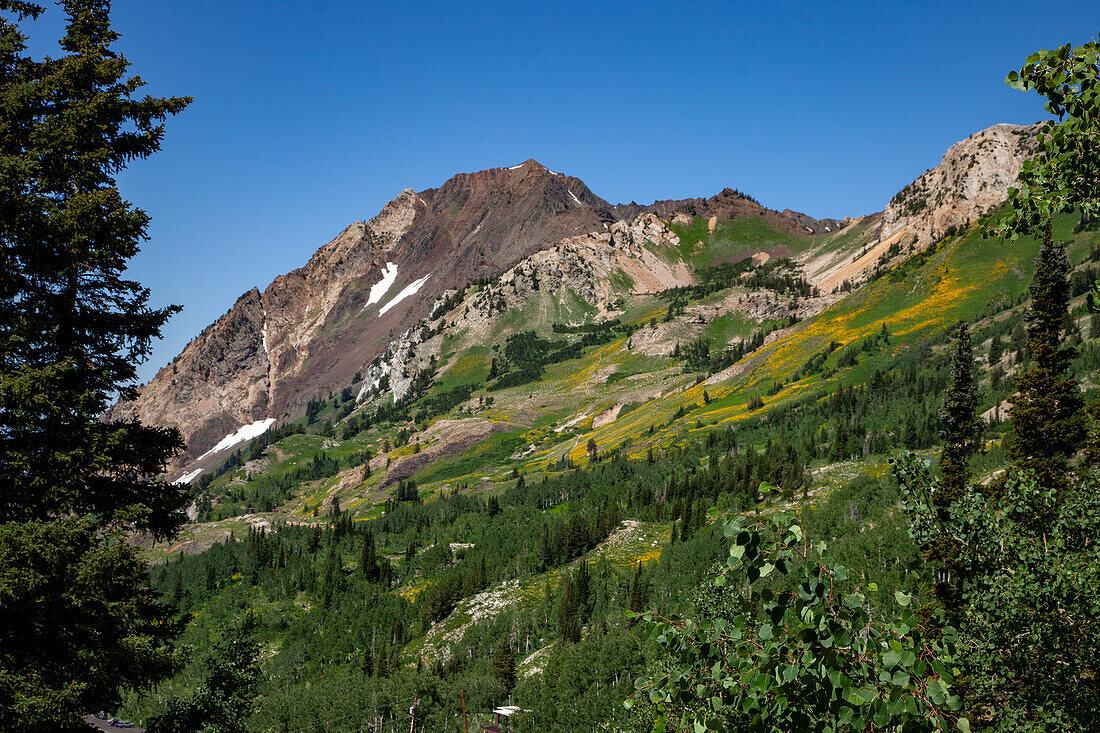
(72,332)
(568,627)
(996,350)
(1047,418)
(686,526)
(582,588)
(368,564)
(504,664)
(960,435)
(961,425)
(73,328)
(637,593)
(332,565)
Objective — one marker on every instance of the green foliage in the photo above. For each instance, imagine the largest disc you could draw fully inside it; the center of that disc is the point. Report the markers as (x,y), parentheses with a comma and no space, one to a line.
(961,436)
(504,665)
(796,650)
(961,426)
(227,695)
(1065,176)
(1029,638)
(581,685)
(1047,421)
(77,624)
(527,354)
(73,328)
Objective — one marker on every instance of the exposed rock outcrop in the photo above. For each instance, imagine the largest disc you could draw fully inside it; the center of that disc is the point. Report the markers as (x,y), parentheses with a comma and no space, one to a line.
(635,256)
(972,178)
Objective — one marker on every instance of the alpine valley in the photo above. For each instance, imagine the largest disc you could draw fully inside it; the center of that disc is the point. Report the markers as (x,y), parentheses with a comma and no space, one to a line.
(439,463)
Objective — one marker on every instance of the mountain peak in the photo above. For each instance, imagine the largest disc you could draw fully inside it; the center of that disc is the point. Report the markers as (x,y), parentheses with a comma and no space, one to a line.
(529,164)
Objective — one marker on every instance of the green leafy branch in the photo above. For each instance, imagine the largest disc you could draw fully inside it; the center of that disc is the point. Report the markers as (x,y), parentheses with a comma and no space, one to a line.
(782,640)
(1065,175)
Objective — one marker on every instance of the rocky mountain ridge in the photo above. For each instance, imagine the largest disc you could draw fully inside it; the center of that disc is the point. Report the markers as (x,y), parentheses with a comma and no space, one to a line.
(364,305)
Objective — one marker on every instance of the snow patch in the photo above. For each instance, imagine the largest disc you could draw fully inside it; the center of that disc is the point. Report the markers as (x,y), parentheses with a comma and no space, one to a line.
(811,231)
(513,167)
(188,477)
(827,229)
(408,290)
(380,288)
(246,432)
(575,198)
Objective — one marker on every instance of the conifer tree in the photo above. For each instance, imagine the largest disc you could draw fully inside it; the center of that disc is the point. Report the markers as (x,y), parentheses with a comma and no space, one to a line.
(72,331)
(1048,424)
(504,664)
(961,425)
(568,627)
(368,564)
(73,328)
(637,592)
(582,586)
(961,433)
(996,350)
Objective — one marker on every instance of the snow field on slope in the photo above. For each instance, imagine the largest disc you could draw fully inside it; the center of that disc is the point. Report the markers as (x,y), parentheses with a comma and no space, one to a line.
(380,288)
(408,290)
(245,432)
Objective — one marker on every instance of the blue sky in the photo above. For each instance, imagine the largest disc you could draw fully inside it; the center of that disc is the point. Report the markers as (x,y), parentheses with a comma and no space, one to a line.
(311,115)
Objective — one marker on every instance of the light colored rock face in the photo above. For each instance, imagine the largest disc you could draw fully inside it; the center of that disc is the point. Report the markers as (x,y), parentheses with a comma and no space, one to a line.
(972,178)
(592,266)
(760,258)
(394,220)
(608,416)
(408,354)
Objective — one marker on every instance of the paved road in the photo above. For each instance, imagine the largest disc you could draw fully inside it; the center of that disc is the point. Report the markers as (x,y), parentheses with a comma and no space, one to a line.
(104,725)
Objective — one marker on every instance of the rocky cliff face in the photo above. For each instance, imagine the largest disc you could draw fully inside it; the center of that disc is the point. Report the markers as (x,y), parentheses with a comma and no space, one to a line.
(972,178)
(630,256)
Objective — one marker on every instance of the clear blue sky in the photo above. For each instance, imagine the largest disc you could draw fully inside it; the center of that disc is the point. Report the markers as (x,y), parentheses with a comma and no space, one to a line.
(311,115)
